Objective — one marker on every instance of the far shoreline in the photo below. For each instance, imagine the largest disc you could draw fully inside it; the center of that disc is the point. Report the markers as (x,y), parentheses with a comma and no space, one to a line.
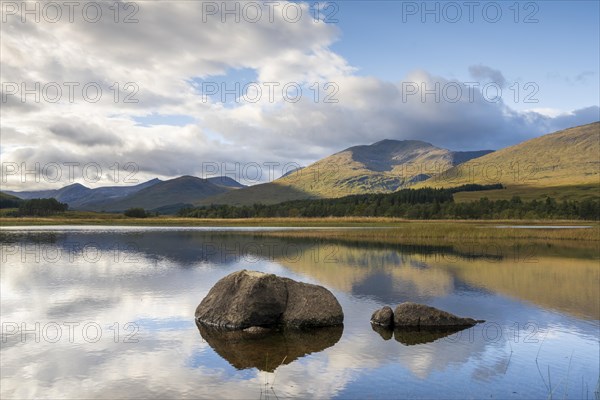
(120,220)
(375,229)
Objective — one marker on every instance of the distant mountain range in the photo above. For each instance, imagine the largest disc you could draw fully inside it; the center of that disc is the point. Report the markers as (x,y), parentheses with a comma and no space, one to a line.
(174,193)
(79,196)
(154,194)
(565,163)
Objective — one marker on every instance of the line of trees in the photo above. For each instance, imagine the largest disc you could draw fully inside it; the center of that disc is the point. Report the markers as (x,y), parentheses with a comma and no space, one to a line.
(9,202)
(136,212)
(41,207)
(424,203)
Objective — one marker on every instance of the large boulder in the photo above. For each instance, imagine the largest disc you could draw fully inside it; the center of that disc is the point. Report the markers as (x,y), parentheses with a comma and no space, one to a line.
(413,315)
(310,305)
(247,299)
(244,299)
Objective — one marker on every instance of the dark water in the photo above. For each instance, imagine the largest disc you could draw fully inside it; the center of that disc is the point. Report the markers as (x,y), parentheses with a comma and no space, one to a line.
(101,313)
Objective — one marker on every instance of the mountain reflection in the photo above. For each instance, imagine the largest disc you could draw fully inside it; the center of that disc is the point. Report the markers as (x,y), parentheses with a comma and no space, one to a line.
(546,274)
(268,351)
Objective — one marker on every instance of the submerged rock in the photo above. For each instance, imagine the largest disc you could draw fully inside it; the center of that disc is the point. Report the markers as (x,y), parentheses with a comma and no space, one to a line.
(257,330)
(247,299)
(383,317)
(413,315)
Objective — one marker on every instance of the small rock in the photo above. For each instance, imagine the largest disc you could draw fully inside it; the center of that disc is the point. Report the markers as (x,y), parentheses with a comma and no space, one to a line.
(383,317)
(413,315)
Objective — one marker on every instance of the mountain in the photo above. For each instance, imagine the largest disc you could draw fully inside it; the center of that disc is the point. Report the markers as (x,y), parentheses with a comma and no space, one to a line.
(7,196)
(563,165)
(176,192)
(68,194)
(225,181)
(35,194)
(164,196)
(381,167)
(80,197)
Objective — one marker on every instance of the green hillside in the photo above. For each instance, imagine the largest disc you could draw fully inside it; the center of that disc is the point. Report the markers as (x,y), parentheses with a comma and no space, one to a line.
(560,193)
(382,167)
(266,193)
(6,196)
(562,165)
(182,190)
(9,201)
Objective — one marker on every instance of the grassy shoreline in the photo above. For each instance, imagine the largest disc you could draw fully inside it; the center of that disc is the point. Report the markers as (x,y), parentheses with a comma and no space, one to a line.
(121,220)
(456,236)
(396,230)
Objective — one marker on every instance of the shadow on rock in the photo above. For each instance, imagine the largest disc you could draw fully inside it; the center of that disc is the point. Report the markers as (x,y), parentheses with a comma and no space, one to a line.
(268,350)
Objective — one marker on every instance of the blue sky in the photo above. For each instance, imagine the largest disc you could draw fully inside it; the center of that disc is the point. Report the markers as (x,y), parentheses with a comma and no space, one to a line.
(554,45)
(552,52)
(367,62)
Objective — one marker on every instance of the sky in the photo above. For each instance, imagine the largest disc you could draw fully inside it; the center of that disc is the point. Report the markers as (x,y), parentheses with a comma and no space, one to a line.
(118,93)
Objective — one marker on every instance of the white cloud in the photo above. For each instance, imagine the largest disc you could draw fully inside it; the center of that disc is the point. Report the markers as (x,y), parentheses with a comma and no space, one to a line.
(171,45)
(549,112)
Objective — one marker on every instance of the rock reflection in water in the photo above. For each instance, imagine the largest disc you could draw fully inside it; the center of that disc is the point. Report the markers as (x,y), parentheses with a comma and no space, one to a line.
(269,350)
(385,333)
(410,337)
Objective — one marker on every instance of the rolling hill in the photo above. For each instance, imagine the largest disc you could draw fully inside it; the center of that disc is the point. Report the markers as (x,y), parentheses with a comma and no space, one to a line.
(9,201)
(563,165)
(167,197)
(172,194)
(226,182)
(80,197)
(382,167)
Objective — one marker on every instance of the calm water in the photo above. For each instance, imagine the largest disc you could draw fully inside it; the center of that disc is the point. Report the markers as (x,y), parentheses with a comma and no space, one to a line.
(109,313)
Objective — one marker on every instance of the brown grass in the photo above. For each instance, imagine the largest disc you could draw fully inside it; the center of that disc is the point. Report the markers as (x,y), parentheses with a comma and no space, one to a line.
(397,230)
